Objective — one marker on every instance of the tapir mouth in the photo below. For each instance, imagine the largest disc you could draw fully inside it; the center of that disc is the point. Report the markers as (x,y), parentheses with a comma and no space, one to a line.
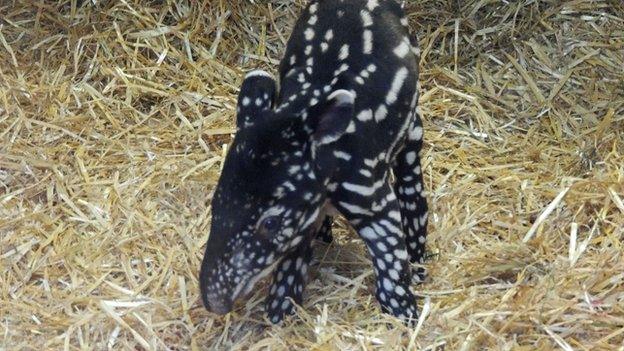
(245,287)
(222,305)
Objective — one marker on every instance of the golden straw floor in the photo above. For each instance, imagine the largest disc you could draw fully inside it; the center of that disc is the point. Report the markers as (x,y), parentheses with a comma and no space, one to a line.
(113,120)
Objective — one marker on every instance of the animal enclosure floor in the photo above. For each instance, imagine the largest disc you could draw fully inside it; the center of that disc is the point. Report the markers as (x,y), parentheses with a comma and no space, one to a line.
(113,121)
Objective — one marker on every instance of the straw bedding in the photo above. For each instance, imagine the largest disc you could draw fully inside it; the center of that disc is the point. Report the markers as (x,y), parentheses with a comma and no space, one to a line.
(114,118)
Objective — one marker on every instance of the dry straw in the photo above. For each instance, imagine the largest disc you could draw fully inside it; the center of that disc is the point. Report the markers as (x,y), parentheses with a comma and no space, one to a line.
(113,121)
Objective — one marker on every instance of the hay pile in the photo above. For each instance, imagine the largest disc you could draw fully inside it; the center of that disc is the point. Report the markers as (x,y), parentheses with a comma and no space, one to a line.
(113,120)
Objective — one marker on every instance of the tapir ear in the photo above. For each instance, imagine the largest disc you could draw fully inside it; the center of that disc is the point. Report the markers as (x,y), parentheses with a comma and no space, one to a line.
(333,117)
(257,94)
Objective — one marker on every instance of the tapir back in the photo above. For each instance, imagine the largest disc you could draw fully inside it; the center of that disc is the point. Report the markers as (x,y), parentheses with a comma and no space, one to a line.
(363,46)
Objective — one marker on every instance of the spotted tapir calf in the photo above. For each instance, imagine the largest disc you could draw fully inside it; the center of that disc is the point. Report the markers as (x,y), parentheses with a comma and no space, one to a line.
(324,142)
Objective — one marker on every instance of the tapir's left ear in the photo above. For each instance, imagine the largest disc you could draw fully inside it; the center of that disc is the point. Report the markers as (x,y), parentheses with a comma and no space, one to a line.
(332,117)
(257,94)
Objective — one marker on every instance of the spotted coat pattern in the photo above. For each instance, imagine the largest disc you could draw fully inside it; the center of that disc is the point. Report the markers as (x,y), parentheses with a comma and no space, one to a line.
(342,134)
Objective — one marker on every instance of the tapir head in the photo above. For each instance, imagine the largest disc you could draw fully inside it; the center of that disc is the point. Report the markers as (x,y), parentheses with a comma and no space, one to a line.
(272,187)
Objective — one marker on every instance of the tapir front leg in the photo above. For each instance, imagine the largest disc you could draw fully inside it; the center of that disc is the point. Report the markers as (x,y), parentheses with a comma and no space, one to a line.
(377,219)
(288,282)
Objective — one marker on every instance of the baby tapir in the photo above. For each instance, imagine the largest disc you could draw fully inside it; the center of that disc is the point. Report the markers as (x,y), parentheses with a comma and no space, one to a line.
(323,143)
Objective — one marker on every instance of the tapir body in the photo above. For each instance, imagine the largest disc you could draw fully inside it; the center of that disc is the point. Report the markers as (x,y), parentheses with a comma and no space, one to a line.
(342,135)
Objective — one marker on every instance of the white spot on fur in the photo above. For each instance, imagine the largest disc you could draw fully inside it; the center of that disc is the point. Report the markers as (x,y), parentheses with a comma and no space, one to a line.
(365,115)
(416,134)
(372,4)
(403,49)
(367,20)
(367,38)
(309,34)
(329,35)
(368,233)
(397,84)
(351,127)
(400,254)
(410,157)
(381,113)
(342,155)
(344,52)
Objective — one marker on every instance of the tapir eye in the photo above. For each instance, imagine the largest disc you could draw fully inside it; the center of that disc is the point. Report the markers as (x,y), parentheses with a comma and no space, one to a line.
(270,224)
